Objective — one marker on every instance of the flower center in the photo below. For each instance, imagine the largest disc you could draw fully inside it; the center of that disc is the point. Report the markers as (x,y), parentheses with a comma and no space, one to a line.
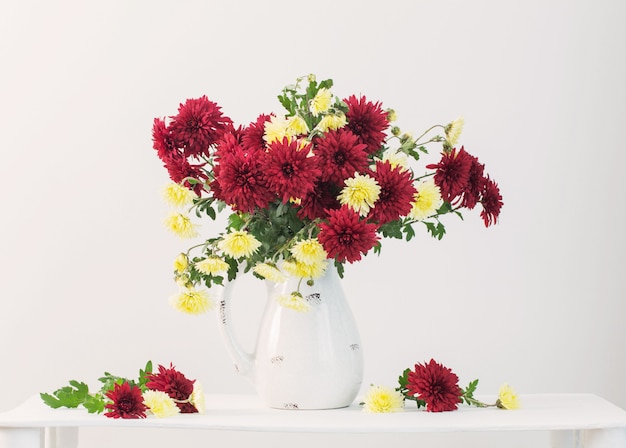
(287,169)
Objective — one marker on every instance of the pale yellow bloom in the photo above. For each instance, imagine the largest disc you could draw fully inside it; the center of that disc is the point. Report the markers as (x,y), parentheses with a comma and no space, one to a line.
(239,244)
(181,263)
(197,397)
(396,158)
(309,251)
(360,193)
(160,404)
(212,265)
(294,301)
(332,122)
(275,129)
(192,301)
(507,398)
(270,272)
(427,200)
(321,102)
(304,270)
(178,195)
(392,115)
(380,399)
(181,225)
(296,126)
(453,131)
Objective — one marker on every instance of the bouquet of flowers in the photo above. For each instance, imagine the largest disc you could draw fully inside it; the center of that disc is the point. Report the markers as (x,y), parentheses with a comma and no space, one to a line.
(322,182)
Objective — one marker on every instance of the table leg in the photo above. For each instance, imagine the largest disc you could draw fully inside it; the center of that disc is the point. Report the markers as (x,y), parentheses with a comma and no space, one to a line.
(66,437)
(21,438)
(565,439)
(604,438)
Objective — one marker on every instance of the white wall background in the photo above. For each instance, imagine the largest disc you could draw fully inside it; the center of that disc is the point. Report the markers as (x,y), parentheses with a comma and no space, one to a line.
(538,301)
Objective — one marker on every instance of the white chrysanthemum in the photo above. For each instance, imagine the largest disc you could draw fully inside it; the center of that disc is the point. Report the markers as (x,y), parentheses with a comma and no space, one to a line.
(197,397)
(360,193)
(309,251)
(192,301)
(427,200)
(275,129)
(507,398)
(380,399)
(453,131)
(270,272)
(181,263)
(332,122)
(294,301)
(178,195)
(296,126)
(160,404)
(181,225)
(239,244)
(396,158)
(321,102)
(304,270)
(212,266)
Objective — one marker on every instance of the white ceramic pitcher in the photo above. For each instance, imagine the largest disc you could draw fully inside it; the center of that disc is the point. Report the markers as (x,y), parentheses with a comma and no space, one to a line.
(302,360)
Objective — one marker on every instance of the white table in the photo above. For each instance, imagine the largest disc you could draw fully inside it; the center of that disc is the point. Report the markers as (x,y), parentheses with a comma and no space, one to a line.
(574,420)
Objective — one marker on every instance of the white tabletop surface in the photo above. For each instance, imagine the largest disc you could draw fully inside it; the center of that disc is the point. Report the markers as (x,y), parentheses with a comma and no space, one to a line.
(247,413)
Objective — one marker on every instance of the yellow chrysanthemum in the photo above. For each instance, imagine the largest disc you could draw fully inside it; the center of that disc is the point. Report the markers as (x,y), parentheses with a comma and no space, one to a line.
(296,126)
(197,397)
(212,266)
(270,272)
(181,225)
(178,195)
(309,251)
(360,193)
(239,244)
(453,131)
(192,301)
(380,399)
(507,398)
(275,129)
(294,301)
(181,263)
(160,404)
(396,158)
(321,102)
(304,270)
(427,200)
(332,122)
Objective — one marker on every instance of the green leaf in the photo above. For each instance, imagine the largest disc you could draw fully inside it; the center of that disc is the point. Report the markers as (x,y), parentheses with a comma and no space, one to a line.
(409,232)
(69,396)
(94,404)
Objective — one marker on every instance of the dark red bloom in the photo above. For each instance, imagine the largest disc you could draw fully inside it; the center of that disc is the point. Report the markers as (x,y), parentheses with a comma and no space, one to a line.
(475,184)
(435,384)
(345,236)
(340,155)
(198,125)
(491,200)
(321,199)
(127,402)
(453,173)
(239,179)
(396,193)
(175,385)
(179,169)
(367,121)
(253,135)
(289,171)
(162,141)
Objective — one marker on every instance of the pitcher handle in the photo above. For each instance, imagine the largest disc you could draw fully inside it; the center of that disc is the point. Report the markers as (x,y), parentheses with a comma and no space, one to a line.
(244,361)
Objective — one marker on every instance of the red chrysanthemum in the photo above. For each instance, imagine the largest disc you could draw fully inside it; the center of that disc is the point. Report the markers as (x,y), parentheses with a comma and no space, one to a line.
(289,171)
(162,141)
(367,121)
(491,200)
(321,199)
(340,155)
(252,138)
(198,124)
(453,172)
(396,193)
(475,184)
(345,236)
(127,402)
(239,179)
(179,168)
(435,384)
(175,385)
